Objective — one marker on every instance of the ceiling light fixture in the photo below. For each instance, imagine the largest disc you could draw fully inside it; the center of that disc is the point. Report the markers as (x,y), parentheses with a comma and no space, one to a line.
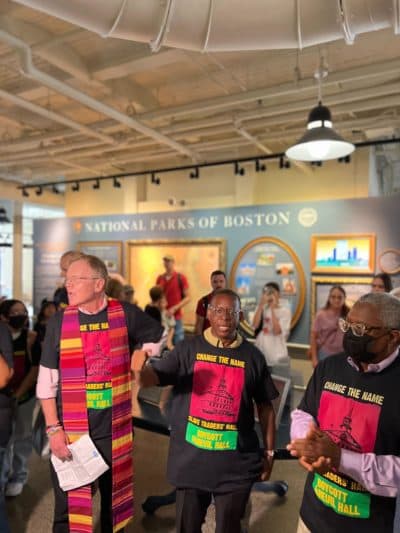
(239,171)
(260,167)
(283,163)
(76,186)
(194,174)
(154,179)
(25,193)
(39,190)
(55,190)
(116,183)
(96,184)
(320,142)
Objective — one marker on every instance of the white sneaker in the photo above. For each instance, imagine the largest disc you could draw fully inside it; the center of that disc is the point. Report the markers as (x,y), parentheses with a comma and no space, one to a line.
(14,489)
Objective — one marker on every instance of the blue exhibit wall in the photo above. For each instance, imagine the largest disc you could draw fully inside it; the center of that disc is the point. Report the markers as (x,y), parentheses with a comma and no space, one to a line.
(293,223)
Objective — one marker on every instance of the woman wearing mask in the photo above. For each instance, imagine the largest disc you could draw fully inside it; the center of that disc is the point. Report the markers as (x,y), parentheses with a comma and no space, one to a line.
(274,319)
(14,472)
(326,336)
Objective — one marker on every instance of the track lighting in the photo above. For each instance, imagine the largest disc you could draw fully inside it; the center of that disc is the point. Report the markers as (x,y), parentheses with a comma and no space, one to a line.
(283,163)
(154,179)
(3,216)
(239,171)
(25,193)
(116,183)
(96,184)
(39,190)
(346,159)
(194,174)
(260,167)
(55,190)
(76,186)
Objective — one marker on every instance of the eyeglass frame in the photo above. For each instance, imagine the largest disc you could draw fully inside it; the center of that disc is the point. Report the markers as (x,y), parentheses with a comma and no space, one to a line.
(77,279)
(223,311)
(345,325)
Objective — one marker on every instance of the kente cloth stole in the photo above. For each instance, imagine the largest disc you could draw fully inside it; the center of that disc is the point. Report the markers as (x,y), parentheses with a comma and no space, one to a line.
(75,417)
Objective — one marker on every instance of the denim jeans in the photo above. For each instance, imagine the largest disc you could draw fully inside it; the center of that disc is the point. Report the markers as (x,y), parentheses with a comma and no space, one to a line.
(179,332)
(4,526)
(15,463)
(396,525)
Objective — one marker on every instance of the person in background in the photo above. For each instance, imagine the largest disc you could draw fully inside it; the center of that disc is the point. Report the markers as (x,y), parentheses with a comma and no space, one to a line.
(274,319)
(218,281)
(381,282)
(26,356)
(6,372)
(47,310)
(84,386)
(326,335)
(214,449)
(114,289)
(60,296)
(345,431)
(176,289)
(157,309)
(128,294)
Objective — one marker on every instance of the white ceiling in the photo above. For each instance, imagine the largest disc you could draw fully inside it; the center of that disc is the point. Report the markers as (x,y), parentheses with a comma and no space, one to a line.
(75,104)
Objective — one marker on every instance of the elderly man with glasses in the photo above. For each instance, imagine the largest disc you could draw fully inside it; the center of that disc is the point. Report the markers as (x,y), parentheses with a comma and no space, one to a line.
(214,449)
(346,431)
(84,388)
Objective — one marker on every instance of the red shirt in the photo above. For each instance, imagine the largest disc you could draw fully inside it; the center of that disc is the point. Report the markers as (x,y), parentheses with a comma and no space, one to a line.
(201,310)
(172,290)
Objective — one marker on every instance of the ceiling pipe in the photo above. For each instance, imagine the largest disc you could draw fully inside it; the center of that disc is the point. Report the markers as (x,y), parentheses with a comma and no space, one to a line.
(226,25)
(55,117)
(30,71)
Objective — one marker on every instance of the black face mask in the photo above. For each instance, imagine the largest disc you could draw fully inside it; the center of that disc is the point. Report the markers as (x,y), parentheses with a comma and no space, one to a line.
(358,348)
(17,321)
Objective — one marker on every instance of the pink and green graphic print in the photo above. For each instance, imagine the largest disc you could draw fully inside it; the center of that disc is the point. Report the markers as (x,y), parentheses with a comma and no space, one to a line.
(214,407)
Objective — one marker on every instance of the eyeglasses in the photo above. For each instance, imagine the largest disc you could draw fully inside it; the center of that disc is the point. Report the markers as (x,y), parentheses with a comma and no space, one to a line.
(76,279)
(358,329)
(223,311)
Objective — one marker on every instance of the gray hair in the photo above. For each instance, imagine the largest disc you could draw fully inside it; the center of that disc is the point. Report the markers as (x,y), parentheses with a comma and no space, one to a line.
(388,307)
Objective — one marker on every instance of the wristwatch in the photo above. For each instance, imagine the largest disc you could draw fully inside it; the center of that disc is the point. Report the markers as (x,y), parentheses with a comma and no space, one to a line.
(269,453)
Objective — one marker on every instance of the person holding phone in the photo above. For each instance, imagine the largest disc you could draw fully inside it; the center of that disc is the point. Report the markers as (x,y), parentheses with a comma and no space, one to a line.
(274,319)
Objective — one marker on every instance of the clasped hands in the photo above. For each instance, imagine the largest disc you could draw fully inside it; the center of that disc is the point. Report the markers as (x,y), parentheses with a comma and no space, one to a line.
(316,452)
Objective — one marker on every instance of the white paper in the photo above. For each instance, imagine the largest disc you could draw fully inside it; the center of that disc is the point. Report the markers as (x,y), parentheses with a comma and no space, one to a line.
(84,468)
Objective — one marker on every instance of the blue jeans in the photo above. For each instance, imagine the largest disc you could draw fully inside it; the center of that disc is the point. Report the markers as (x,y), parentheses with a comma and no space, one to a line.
(4,527)
(15,464)
(179,333)
(396,525)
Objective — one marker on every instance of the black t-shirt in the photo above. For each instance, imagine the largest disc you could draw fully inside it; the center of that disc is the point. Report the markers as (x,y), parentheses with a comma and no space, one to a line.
(141,328)
(153,311)
(360,412)
(214,445)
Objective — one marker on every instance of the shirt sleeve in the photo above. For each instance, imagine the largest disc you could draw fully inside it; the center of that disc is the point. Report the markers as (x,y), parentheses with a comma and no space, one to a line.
(51,345)
(379,474)
(300,424)
(6,348)
(284,321)
(264,390)
(200,308)
(141,327)
(185,283)
(168,368)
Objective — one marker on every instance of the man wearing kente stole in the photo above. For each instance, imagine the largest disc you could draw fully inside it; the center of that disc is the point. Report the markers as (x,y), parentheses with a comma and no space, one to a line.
(84,387)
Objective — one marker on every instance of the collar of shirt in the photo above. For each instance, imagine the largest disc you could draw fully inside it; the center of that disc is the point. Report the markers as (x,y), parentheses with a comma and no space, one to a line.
(212,339)
(103,306)
(376,367)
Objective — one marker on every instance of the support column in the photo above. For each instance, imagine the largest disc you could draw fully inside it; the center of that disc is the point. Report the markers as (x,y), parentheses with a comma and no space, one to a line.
(17,251)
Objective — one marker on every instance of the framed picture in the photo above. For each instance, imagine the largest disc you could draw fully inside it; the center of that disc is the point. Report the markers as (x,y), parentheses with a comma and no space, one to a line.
(268,259)
(195,258)
(109,251)
(389,261)
(355,286)
(351,253)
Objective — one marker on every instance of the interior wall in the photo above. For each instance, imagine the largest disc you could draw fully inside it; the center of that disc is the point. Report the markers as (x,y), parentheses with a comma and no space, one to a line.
(220,187)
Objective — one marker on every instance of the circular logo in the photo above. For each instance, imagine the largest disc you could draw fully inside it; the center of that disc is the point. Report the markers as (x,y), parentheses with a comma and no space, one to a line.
(307,216)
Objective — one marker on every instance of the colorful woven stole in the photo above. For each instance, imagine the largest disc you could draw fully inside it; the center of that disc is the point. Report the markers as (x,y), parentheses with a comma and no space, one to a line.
(75,418)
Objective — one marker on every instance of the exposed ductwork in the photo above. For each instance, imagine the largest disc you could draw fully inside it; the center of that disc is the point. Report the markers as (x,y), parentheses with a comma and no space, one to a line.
(227,25)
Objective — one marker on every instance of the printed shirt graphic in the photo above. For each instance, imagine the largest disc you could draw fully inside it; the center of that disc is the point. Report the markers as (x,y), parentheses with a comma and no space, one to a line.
(351,420)
(215,402)
(96,347)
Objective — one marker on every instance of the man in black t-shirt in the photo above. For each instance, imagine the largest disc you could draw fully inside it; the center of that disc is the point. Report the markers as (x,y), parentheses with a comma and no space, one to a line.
(214,449)
(346,431)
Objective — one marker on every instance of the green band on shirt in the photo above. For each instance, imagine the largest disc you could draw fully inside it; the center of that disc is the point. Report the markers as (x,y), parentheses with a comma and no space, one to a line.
(211,440)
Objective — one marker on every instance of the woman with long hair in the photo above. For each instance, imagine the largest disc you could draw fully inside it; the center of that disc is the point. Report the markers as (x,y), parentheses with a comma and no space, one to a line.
(326,336)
